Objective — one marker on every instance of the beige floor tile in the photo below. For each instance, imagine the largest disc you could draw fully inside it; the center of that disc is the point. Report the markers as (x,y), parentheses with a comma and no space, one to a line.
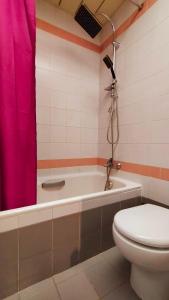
(65,275)
(115,259)
(89,263)
(44,290)
(124,292)
(105,277)
(92,279)
(77,288)
(78,268)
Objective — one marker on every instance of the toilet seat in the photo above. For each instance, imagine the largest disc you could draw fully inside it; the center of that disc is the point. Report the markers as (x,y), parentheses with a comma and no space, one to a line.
(147,225)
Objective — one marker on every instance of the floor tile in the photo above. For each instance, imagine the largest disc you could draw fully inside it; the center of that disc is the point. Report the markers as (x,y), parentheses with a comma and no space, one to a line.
(105,277)
(77,288)
(115,258)
(124,292)
(78,268)
(13,297)
(43,290)
(89,263)
(65,275)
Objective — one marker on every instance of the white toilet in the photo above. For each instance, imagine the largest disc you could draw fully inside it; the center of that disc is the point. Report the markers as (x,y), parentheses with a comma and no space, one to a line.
(142,235)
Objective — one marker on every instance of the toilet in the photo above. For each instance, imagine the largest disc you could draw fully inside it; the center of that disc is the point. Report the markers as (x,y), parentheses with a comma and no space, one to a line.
(142,235)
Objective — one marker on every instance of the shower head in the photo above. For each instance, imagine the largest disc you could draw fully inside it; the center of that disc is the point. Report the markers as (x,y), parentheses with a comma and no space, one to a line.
(109,64)
(87,20)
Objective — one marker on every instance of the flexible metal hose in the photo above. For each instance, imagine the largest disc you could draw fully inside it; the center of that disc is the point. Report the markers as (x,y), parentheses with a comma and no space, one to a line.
(114,115)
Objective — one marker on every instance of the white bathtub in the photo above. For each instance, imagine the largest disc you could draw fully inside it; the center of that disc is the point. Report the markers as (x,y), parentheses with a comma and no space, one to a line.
(83,190)
(84,184)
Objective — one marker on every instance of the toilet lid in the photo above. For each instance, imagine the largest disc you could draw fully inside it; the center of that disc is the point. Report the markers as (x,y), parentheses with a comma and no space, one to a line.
(146,224)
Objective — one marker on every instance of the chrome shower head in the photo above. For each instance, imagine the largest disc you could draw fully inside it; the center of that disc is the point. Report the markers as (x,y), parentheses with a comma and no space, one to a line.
(87,20)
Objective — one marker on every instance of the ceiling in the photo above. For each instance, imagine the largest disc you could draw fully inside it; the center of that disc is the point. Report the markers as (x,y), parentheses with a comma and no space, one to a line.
(96,6)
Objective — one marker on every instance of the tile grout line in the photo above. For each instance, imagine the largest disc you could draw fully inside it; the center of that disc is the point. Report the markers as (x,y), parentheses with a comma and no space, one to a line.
(55,284)
(114,289)
(52,277)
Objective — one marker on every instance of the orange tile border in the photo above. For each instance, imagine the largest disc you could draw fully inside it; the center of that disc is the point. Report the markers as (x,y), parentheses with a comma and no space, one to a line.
(68,36)
(101,161)
(165,174)
(62,163)
(144,170)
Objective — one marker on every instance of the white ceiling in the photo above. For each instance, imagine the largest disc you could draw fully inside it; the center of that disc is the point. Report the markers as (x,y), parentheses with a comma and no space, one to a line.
(106,6)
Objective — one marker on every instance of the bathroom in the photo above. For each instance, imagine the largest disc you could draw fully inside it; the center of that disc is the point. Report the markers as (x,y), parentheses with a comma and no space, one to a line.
(84,143)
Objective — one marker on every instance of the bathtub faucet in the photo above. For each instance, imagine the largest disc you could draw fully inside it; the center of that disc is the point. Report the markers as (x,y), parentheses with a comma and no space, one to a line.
(112,164)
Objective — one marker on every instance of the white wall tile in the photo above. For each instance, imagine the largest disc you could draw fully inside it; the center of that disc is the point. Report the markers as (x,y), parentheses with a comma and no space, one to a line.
(44,133)
(89,150)
(58,134)
(58,116)
(44,151)
(73,135)
(43,115)
(73,118)
(67,77)
(89,135)
(58,99)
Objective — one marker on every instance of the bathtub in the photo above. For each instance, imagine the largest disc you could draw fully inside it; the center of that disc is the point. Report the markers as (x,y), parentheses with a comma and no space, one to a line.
(84,185)
(83,190)
(80,187)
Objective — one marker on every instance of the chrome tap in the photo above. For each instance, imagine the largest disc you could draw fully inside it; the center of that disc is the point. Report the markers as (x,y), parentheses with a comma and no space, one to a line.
(112,164)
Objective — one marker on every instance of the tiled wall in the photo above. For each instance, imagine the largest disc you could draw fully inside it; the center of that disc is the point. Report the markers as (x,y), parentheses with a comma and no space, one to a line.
(68,94)
(143,76)
(67,77)
(34,252)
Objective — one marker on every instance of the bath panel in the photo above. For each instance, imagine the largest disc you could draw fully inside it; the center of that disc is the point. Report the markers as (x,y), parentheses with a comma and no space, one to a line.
(47,248)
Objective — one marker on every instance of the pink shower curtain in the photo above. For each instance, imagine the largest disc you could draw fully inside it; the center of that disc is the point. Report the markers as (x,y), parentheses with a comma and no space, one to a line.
(17,104)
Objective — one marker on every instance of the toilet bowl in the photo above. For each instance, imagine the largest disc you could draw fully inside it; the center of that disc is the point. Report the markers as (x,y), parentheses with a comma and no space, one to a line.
(142,235)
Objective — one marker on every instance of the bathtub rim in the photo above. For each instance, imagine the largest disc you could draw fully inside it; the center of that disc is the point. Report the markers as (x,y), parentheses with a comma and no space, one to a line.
(132,186)
(34,214)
